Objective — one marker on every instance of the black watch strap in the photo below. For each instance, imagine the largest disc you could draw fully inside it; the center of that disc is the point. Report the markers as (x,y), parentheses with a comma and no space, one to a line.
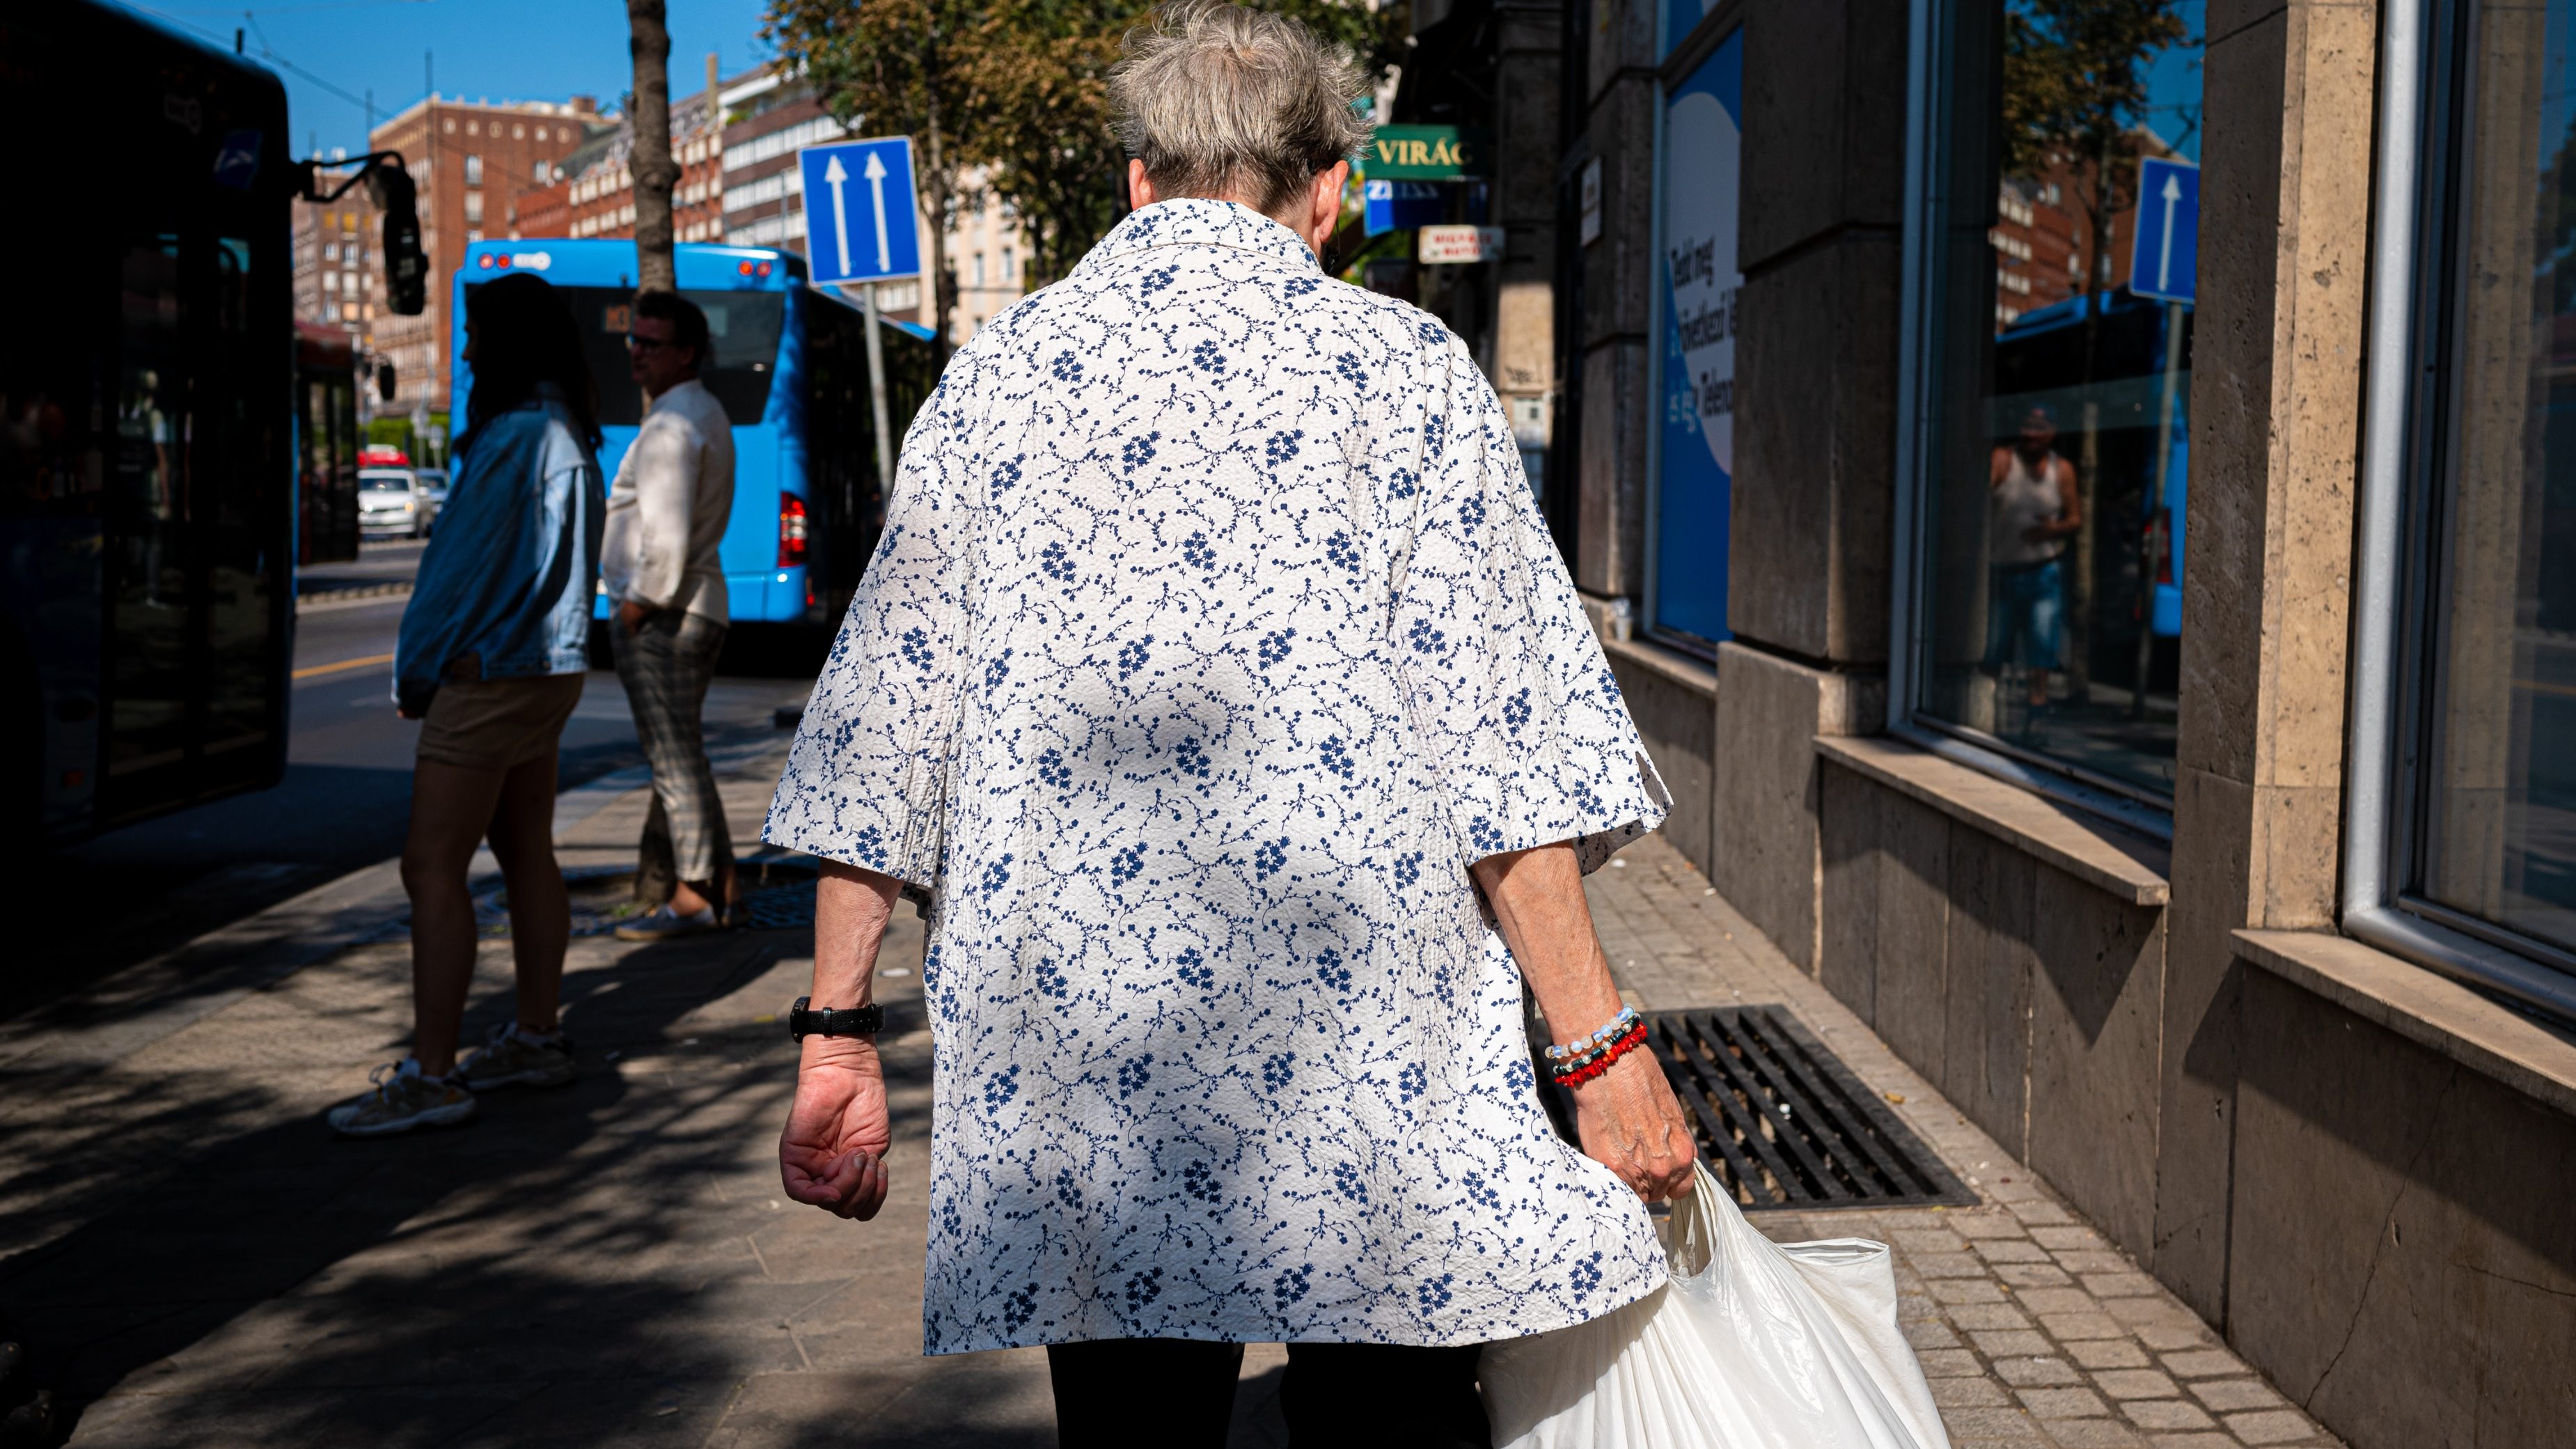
(865,1020)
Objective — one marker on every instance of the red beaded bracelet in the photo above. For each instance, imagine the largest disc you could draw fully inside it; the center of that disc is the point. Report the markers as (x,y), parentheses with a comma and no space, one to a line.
(1576,1075)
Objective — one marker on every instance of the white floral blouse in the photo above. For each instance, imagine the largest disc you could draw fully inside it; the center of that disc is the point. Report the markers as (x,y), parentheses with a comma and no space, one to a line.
(1213,635)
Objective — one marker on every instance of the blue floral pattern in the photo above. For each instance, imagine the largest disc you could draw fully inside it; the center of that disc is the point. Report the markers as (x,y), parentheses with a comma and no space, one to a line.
(1214,634)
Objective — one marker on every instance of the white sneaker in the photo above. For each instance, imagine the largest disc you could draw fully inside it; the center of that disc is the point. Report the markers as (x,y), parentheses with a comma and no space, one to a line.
(402,1100)
(514,1059)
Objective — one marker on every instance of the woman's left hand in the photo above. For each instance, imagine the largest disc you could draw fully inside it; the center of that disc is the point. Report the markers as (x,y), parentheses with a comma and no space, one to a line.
(1630,1122)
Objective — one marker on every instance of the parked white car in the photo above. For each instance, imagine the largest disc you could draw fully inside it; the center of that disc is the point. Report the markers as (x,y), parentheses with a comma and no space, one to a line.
(392,504)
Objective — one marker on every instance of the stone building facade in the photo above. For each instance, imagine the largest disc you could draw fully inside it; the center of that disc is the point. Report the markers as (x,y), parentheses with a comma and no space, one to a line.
(2142,691)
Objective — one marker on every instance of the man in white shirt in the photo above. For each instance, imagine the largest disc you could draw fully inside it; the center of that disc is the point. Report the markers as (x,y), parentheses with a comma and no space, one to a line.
(666,520)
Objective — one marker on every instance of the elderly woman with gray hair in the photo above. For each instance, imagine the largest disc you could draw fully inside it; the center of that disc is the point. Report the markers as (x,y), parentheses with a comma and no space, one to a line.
(1218,681)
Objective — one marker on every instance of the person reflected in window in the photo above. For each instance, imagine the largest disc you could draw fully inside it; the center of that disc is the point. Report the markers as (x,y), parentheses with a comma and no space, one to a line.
(2035,510)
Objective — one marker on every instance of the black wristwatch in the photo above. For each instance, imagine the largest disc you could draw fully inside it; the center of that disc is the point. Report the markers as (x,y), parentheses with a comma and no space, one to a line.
(865,1020)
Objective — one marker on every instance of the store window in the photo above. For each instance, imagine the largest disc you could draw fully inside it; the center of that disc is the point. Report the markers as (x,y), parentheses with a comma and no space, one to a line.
(1697,291)
(2488,700)
(2054,460)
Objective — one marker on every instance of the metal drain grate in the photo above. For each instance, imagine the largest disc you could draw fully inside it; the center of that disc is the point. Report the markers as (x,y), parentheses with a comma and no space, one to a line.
(779,892)
(1780,1120)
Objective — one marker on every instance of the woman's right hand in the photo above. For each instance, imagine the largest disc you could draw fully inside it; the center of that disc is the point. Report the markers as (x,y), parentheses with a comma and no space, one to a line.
(832,1153)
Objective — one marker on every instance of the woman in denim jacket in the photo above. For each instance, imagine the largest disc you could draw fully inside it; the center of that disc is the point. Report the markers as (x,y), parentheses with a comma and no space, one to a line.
(490,660)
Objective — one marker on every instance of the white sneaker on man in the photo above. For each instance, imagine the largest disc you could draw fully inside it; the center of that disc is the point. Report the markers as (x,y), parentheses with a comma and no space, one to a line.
(401,1100)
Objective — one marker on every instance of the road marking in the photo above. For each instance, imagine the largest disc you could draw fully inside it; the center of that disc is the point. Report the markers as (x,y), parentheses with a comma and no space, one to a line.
(310,671)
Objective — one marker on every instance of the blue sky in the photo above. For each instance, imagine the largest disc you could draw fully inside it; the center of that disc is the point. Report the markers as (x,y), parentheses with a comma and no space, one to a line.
(2173,81)
(535,50)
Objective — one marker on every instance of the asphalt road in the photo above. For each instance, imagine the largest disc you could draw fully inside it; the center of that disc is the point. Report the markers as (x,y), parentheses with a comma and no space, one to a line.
(344,803)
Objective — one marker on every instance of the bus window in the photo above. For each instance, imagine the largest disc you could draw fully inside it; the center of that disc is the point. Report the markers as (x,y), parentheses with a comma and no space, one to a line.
(744,326)
(233,507)
(147,720)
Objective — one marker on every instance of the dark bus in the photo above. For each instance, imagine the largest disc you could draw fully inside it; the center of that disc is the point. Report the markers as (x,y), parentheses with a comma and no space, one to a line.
(147,424)
(326,445)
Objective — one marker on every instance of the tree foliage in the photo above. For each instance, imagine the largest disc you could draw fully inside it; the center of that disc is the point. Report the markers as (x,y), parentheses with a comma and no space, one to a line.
(1017,92)
(2075,85)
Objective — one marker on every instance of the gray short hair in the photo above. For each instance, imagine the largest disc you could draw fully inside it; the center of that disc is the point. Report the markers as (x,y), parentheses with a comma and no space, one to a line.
(1218,100)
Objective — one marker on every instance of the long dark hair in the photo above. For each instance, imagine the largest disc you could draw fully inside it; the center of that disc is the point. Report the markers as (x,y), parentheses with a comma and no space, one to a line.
(524,335)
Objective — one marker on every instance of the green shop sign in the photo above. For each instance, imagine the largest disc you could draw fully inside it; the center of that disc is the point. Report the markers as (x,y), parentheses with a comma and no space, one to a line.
(1425,153)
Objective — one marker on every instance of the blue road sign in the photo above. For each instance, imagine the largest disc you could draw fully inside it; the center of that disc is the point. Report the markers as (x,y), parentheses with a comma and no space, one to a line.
(859,210)
(2164,246)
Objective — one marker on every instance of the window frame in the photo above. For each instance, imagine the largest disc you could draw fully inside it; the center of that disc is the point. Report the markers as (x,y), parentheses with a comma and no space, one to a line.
(2407,460)
(1919,378)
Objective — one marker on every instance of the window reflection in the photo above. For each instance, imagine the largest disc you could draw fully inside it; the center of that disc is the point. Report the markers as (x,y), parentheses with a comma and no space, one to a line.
(2054,509)
(2499,836)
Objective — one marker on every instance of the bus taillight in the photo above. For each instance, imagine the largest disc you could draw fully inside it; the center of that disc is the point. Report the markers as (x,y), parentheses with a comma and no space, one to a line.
(791,531)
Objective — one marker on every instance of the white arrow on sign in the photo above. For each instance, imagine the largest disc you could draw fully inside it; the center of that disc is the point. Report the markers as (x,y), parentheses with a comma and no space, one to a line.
(833,176)
(876,174)
(2164,258)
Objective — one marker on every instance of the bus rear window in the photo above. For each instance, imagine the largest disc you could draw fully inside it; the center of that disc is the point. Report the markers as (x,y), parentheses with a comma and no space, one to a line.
(744,327)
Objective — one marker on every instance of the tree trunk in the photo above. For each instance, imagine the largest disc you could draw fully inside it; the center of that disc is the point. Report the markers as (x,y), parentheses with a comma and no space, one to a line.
(649,42)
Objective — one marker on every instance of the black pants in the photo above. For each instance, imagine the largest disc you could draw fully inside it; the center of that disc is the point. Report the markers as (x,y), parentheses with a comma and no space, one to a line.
(1131,1392)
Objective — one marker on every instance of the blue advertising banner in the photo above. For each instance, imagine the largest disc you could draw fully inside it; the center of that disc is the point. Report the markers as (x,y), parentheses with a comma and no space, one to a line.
(1694,482)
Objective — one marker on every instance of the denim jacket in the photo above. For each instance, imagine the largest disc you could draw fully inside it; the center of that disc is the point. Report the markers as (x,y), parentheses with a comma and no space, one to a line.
(510,570)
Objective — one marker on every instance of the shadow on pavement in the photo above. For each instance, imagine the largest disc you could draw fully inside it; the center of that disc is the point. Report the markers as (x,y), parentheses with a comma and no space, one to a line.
(605,1263)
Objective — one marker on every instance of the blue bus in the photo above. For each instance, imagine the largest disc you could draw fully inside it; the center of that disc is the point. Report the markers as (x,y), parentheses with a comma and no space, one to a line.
(790,367)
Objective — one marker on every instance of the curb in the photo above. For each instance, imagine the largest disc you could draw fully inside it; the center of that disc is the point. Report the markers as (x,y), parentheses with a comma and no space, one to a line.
(355,594)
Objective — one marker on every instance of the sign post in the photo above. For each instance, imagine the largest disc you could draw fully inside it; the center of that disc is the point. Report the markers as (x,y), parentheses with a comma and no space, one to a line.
(884,242)
(2164,264)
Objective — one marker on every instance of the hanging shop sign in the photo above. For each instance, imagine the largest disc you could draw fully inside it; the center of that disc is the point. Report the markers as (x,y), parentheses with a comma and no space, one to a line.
(1457,244)
(1400,205)
(1425,153)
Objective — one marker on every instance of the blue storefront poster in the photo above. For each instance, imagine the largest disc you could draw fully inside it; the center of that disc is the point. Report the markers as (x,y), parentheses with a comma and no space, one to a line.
(1703,151)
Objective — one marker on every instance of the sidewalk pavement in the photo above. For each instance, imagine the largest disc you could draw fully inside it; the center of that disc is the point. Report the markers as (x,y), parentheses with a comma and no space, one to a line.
(195,1260)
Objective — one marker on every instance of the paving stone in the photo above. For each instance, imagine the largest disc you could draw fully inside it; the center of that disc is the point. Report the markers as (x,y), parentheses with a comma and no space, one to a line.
(2212,1440)
(2067,1326)
(2166,1414)
(2136,1384)
(2158,1311)
(2173,1337)
(2058,1300)
(2063,1403)
(1949,1363)
(1989,1315)
(2277,1426)
(2203,1363)
(1987,1225)
(2006,1342)
(1916,1242)
(2120,1285)
(2011,1250)
(1973,1393)
(2034,1373)
(2093,1260)
(1947,1265)
(2094,1434)
(2032,1275)
(2107,1353)
(1965,1290)
(2226,1395)
(1972,1428)
(2070,1239)
(2038,1211)
(1926,1336)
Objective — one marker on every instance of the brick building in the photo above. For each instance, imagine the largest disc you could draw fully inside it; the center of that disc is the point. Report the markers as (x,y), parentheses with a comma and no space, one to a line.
(471,161)
(339,272)
(592,193)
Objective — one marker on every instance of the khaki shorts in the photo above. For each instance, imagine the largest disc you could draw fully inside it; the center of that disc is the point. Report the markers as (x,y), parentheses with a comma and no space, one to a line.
(498,724)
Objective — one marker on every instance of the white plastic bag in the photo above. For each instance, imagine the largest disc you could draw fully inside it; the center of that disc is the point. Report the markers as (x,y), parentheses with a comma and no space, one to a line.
(1752,1345)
